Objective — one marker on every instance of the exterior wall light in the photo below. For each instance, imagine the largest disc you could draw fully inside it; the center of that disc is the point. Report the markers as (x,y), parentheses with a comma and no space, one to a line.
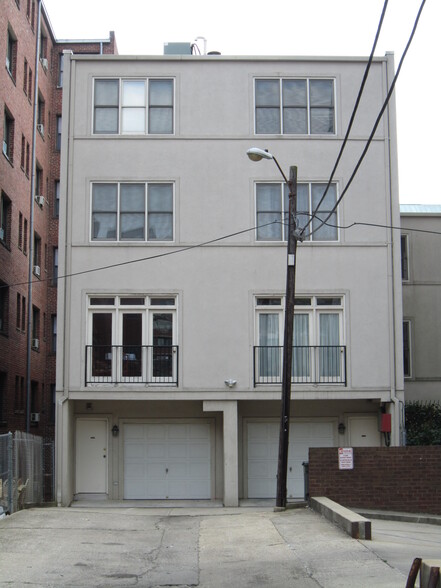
(230,383)
(115,430)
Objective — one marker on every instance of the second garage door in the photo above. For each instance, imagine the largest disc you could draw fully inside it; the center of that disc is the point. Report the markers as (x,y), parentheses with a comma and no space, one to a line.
(167,461)
(263,448)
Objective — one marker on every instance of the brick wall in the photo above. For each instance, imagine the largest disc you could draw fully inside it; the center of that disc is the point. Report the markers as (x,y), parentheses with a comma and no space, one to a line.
(389,478)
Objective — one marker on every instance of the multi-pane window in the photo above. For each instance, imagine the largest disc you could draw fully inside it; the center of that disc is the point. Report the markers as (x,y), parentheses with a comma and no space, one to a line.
(11,54)
(294,106)
(132,339)
(407,356)
(272,205)
(132,212)
(318,352)
(8,135)
(133,106)
(404,257)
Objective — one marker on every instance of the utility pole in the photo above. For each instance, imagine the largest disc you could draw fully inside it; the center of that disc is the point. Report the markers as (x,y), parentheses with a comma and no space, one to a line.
(282,466)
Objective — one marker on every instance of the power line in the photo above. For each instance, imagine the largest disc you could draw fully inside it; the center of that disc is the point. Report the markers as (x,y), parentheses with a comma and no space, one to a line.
(377,122)
(354,111)
(190,247)
(148,258)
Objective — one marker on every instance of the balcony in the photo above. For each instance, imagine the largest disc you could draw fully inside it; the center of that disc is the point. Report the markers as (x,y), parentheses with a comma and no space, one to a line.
(314,364)
(132,364)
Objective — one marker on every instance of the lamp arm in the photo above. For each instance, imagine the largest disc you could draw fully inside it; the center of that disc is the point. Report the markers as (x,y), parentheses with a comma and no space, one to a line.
(280,169)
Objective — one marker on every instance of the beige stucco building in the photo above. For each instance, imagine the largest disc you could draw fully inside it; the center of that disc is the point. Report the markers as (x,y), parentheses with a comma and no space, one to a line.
(421,272)
(174,261)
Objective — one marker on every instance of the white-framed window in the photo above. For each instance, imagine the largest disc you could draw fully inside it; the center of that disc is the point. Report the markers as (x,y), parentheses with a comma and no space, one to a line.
(405,257)
(272,210)
(132,211)
(132,338)
(294,106)
(319,353)
(134,106)
(407,348)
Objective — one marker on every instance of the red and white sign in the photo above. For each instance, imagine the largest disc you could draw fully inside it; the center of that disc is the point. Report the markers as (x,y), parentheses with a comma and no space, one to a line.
(345,458)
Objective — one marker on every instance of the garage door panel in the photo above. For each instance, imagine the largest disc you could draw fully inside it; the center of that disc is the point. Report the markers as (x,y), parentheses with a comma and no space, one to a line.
(154,431)
(199,451)
(155,450)
(167,460)
(134,451)
(177,450)
(263,449)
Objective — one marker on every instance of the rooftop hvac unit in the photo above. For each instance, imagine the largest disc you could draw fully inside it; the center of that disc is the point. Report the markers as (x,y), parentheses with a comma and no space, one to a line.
(36,343)
(35,417)
(37,270)
(40,129)
(177,48)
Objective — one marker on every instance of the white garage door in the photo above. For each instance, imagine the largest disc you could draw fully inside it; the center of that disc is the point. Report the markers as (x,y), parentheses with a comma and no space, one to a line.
(167,461)
(263,451)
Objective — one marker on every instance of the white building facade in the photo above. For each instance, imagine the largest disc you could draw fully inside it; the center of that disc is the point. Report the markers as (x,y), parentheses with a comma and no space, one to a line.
(173,252)
(421,273)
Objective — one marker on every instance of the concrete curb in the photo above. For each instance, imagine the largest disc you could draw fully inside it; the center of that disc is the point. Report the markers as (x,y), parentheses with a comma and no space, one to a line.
(405,517)
(354,524)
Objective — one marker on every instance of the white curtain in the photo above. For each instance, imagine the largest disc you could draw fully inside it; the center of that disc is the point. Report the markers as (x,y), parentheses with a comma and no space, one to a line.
(329,342)
(300,356)
(269,352)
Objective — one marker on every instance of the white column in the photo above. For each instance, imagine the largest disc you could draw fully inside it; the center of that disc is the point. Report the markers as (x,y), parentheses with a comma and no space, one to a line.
(230,442)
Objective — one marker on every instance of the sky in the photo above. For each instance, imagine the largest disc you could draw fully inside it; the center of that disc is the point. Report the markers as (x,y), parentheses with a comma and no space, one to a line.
(292,27)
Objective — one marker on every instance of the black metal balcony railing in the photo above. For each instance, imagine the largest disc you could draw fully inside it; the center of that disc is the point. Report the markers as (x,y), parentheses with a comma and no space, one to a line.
(313,364)
(132,364)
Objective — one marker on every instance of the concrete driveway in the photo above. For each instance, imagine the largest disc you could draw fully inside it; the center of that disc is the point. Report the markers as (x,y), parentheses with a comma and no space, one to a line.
(205,547)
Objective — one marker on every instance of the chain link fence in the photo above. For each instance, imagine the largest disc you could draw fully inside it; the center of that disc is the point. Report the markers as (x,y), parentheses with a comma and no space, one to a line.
(26,471)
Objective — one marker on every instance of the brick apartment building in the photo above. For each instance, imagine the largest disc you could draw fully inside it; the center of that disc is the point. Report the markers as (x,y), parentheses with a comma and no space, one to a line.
(29,210)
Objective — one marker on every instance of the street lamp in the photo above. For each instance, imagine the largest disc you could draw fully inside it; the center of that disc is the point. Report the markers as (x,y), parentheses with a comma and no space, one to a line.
(256,154)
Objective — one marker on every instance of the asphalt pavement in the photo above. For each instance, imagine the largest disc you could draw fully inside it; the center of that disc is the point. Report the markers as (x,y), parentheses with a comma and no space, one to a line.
(205,547)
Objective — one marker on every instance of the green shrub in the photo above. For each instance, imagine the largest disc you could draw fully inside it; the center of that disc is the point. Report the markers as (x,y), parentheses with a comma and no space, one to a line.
(423,423)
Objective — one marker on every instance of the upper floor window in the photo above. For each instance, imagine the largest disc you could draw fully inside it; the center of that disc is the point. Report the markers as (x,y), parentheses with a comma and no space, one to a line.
(318,335)
(11,54)
(407,355)
(404,257)
(294,106)
(132,339)
(272,203)
(57,199)
(60,69)
(135,106)
(4,307)
(58,137)
(5,220)
(40,115)
(8,135)
(132,212)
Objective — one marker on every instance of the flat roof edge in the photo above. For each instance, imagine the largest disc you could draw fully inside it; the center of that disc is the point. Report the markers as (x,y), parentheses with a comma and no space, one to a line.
(269,58)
